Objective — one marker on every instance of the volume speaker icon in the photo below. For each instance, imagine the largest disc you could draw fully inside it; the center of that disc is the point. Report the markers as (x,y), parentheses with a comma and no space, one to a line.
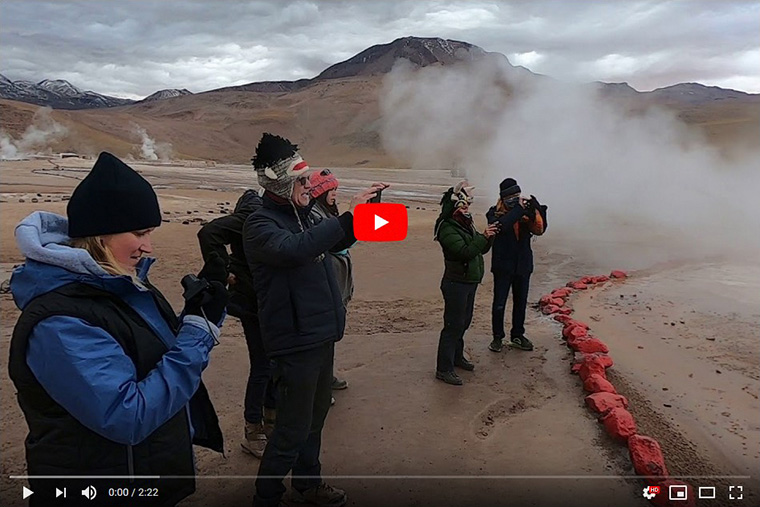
(89,492)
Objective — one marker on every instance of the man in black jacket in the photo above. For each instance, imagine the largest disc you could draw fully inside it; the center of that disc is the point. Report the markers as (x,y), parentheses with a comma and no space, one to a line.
(216,236)
(519,220)
(301,315)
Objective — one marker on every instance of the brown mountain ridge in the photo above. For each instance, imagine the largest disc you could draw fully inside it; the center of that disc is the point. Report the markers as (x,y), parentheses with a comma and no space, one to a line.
(335,116)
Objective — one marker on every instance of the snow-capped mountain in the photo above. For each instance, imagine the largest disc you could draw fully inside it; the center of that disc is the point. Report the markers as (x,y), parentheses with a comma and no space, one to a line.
(56,93)
(166,94)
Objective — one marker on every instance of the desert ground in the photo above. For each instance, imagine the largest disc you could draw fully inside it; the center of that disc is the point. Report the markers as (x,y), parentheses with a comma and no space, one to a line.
(683,336)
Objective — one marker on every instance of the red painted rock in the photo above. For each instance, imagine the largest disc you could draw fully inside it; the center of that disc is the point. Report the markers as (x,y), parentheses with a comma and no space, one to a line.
(589,346)
(560,317)
(598,384)
(561,293)
(574,332)
(545,300)
(647,458)
(606,360)
(663,498)
(549,309)
(601,279)
(619,423)
(603,358)
(587,280)
(602,402)
(575,367)
(618,274)
(557,302)
(573,342)
(577,323)
(591,366)
(577,285)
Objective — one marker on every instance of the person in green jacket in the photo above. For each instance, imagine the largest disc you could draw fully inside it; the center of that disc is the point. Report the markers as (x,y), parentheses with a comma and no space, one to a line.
(463,248)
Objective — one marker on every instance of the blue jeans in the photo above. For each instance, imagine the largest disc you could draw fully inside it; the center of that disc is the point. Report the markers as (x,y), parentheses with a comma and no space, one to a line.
(520,285)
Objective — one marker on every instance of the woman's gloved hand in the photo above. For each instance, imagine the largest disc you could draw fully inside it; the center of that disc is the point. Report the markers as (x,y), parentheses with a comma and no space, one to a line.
(214,270)
(212,301)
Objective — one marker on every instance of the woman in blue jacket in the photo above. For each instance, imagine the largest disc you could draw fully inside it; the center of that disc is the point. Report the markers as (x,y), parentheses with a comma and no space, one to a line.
(108,378)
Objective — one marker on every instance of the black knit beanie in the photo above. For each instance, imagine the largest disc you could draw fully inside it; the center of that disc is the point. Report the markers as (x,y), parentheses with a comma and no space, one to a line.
(113,198)
(508,186)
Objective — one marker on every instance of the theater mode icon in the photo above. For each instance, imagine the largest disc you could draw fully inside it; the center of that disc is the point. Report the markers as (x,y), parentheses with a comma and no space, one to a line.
(707,492)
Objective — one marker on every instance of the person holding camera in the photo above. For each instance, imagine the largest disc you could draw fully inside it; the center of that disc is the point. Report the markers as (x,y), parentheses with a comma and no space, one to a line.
(324,191)
(518,220)
(301,313)
(108,377)
(463,248)
(215,237)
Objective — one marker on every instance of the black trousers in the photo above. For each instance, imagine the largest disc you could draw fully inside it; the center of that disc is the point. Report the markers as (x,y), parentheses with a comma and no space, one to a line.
(260,389)
(303,381)
(459,301)
(520,285)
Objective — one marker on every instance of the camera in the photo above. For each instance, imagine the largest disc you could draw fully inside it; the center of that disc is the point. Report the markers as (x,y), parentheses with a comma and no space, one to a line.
(193,286)
(512,202)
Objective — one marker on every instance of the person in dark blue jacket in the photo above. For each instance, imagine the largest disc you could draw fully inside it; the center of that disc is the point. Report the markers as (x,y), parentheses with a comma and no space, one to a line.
(518,220)
(301,315)
(108,378)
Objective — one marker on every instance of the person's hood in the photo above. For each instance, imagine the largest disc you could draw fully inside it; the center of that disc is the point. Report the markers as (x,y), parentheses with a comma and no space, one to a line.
(447,211)
(42,238)
(249,202)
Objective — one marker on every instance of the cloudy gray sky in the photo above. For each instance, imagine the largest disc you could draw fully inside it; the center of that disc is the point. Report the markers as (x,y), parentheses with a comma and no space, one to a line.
(133,48)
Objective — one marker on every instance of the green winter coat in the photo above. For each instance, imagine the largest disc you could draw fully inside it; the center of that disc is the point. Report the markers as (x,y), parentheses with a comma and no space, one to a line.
(463,249)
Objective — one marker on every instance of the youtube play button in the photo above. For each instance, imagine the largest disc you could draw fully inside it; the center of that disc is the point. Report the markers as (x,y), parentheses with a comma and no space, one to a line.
(383,221)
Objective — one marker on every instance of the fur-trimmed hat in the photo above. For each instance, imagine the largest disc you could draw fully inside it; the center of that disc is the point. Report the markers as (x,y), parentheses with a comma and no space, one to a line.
(322,182)
(462,194)
(278,164)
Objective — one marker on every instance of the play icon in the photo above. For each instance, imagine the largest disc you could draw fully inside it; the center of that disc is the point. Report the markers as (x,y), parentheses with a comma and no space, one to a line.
(385,221)
(26,493)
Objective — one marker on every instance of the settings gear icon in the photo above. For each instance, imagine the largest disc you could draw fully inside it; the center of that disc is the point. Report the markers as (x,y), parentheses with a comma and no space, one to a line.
(648,493)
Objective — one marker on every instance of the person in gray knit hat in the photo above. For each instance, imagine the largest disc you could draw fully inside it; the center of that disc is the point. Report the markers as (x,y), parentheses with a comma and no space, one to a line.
(301,314)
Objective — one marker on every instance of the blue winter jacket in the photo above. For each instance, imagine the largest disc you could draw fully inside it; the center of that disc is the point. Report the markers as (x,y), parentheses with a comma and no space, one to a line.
(81,366)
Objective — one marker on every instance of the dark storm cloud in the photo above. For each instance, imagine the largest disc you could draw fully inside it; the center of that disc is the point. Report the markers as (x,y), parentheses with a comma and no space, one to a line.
(137,47)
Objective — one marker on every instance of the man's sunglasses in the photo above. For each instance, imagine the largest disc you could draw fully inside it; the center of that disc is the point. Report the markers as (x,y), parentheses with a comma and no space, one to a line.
(303,179)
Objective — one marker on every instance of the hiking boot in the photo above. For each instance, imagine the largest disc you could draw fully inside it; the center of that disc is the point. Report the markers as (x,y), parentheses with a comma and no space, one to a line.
(520,342)
(495,345)
(323,495)
(270,416)
(449,377)
(255,440)
(339,384)
(464,364)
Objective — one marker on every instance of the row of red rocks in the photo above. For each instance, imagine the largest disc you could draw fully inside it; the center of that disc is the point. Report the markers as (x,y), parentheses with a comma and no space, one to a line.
(590,363)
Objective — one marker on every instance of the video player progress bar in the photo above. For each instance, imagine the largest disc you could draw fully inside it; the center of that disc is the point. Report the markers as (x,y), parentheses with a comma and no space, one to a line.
(384,477)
